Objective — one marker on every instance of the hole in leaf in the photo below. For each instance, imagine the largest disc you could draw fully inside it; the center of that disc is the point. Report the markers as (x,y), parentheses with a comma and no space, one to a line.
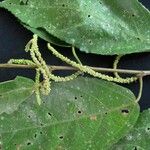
(29,116)
(49,114)
(106,113)
(90,41)
(75,98)
(125,111)
(42,124)
(41,132)
(89,16)
(81,96)
(148,129)
(61,137)
(35,135)
(29,143)
(133,15)
(138,38)
(135,148)
(22,2)
(79,112)
(63,5)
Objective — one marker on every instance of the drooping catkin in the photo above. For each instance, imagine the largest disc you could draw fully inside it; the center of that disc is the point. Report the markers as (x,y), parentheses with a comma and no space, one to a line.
(88,70)
(21,62)
(41,69)
(115,64)
(37,86)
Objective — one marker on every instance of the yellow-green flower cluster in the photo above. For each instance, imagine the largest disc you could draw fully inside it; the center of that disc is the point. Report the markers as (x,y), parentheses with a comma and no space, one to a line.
(90,71)
(42,69)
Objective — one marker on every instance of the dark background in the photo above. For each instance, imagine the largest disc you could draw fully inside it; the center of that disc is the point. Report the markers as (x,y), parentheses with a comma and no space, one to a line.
(13,38)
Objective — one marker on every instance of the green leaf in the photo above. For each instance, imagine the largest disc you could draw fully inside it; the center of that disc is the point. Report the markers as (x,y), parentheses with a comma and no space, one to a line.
(82,114)
(94,26)
(139,137)
(13,93)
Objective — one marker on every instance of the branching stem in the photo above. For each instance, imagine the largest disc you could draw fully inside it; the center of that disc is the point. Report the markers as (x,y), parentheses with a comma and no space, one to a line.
(99,69)
(41,67)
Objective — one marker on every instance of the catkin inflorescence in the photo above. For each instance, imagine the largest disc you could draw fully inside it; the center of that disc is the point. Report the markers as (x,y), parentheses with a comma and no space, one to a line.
(42,68)
(115,64)
(90,71)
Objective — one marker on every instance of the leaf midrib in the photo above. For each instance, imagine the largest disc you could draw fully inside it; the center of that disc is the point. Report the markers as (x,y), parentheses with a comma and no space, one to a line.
(66,121)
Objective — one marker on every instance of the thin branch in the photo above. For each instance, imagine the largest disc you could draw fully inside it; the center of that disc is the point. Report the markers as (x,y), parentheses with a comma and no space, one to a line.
(75,55)
(99,69)
(17,66)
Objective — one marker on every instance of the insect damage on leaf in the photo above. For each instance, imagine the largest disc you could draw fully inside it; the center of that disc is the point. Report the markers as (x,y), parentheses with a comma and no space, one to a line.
(99,26)
(139,136)
(68,122)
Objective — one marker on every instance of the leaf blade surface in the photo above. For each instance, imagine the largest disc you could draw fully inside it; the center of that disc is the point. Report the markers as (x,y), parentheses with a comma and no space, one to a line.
(72,117)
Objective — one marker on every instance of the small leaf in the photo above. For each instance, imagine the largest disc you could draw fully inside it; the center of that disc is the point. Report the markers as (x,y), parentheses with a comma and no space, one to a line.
(94,26)
(84,113)
(13,93)
(139,136)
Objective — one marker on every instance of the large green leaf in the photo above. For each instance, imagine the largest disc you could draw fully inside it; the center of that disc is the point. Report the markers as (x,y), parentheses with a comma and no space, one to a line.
(81,114)
(14,92)
(94,26)
(139,137)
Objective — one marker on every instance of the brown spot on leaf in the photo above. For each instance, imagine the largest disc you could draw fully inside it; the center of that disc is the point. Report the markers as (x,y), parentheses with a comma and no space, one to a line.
(59,147)
(18,147)
(93,117)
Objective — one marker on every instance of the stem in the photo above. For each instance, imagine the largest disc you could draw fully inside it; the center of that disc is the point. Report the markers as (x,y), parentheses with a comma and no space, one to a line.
(140,89)
(53,68)
(75,55)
